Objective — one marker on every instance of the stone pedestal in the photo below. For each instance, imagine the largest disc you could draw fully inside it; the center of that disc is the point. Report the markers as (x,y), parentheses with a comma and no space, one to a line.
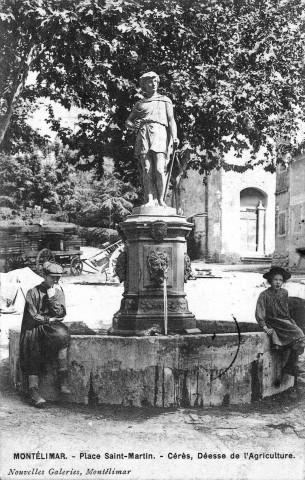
(151,232)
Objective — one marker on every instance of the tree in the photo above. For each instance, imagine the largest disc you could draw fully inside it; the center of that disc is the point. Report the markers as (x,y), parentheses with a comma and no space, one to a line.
(20,137)
(49,180)
(101,202)
(31,32)
(27,181)
(234,69)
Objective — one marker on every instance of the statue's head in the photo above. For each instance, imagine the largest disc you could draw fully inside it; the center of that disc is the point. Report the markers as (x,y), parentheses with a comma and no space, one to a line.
(146,77)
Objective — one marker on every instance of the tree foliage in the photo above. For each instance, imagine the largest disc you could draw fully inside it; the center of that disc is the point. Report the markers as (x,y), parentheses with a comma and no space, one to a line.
(33,179)
(234,69)
(100,202)
(48,179)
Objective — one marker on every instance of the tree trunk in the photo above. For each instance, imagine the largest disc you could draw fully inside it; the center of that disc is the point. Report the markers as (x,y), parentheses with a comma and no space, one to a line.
(4,123)
(18,84)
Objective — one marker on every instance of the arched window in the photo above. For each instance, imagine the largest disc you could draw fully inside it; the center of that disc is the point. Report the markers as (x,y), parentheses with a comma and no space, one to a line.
(250,198)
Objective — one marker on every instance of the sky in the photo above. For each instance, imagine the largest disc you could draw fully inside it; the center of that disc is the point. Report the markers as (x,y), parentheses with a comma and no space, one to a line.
(38,118)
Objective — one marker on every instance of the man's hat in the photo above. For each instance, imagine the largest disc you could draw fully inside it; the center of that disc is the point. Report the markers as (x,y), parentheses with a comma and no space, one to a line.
(277,271)
(52,269)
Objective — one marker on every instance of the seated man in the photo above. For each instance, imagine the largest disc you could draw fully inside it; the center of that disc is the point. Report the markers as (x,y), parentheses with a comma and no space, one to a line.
(43,335)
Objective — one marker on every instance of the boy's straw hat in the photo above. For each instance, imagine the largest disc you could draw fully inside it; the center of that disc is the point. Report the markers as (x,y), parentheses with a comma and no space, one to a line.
(277,271)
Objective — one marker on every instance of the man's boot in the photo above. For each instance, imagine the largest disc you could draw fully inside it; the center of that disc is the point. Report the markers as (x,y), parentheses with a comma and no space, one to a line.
(36,399)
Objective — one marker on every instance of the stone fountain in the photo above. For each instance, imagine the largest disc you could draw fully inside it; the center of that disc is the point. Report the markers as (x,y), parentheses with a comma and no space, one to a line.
(155,245)
(156,356)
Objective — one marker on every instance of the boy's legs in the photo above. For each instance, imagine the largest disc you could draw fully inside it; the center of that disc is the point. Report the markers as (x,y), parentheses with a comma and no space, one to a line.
(36,399)
(291,362)
(32,363)
(56,347)
(48,350)
(62,358)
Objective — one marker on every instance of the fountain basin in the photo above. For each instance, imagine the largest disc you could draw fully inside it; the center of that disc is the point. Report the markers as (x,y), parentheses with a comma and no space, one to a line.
(164,371)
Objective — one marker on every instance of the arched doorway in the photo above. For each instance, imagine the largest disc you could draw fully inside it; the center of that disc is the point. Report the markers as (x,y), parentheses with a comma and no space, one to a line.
(253,204)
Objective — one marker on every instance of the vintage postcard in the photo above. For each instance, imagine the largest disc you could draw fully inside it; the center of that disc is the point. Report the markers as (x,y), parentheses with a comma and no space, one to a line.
(152,240)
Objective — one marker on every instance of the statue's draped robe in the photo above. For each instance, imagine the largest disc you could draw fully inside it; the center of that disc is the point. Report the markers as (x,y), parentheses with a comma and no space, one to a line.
(152,134)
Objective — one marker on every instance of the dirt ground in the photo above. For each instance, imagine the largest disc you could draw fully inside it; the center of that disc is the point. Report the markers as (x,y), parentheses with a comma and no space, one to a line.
(189,444)
(271,426)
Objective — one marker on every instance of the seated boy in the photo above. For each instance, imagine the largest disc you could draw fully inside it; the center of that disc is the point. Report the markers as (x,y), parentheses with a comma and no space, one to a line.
(272,314)
(43,335)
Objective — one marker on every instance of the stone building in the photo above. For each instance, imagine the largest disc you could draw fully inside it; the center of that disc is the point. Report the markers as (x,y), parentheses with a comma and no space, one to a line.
(290,215)
(233,214)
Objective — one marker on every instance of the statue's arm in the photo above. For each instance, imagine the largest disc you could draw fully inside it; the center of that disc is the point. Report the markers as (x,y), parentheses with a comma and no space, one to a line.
(172,123)
(132,121)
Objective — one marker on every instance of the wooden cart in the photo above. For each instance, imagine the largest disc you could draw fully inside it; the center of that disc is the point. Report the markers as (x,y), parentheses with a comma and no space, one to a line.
(67,259)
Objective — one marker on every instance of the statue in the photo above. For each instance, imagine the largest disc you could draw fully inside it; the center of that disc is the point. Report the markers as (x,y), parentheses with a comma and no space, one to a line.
(153,121)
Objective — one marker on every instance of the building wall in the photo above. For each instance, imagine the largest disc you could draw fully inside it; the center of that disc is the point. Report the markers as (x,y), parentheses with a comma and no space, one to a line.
(282,196)
(193,195)
(233,184)
(214,215)
(290,216)
(193,201)
(297,214)
(219,196)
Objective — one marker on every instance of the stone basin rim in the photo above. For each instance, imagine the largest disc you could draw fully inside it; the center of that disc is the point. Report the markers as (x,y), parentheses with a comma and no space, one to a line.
(163,337)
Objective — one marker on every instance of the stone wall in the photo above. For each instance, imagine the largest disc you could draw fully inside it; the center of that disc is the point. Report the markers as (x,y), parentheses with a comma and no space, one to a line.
(159,371)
